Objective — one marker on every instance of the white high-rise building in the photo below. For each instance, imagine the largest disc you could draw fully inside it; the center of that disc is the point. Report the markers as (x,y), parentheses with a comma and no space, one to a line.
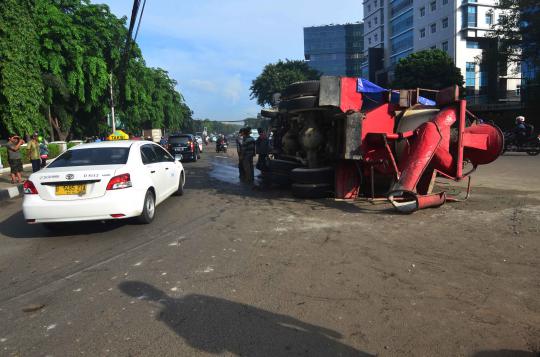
(393,29)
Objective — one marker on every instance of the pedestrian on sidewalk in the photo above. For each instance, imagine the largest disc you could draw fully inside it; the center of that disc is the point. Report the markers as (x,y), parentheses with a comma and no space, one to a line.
(262,148)
(43,151)
(14,157)
(32,150)
(239,151)
(248,151)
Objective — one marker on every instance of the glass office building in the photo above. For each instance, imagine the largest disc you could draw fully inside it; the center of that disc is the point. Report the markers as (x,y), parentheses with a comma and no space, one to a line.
(335,50)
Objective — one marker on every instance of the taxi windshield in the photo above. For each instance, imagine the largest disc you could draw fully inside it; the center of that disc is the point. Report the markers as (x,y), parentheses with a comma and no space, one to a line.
(92,157)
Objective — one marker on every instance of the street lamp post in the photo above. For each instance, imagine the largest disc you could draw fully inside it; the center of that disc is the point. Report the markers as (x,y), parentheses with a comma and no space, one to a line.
(112,104)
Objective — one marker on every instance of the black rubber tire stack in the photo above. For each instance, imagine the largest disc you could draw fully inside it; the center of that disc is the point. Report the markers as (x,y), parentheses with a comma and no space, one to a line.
(279,172)
(300,96)
(313,183)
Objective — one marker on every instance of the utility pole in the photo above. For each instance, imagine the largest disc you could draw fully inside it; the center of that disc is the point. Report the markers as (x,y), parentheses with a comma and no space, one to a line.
(112,104)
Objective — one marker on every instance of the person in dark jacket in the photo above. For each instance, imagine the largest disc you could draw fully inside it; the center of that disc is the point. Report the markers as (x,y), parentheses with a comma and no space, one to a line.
(239,151)
(248,151)
(262,148)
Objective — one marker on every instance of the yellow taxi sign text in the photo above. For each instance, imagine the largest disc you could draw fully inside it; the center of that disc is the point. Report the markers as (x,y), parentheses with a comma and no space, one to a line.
(118,135)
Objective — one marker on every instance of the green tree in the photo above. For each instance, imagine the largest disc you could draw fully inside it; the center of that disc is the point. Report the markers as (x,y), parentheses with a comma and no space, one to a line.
(61,56)
(276,76)
(518,31)
(21,88)
(430,69)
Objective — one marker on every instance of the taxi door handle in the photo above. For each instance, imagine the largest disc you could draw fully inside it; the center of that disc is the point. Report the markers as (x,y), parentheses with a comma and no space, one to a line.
(153,171)
(166,168)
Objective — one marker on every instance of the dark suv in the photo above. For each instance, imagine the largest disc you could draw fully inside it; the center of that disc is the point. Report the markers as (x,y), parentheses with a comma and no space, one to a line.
(185,145)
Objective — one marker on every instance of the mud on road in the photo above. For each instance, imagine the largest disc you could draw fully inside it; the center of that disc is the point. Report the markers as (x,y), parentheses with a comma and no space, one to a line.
(463,279)
(231,270)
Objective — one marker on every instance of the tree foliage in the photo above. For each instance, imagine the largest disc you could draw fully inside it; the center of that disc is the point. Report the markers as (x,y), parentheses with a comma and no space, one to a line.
(21,88)
(276,76)
(430,69)
(58,60)
(518,31)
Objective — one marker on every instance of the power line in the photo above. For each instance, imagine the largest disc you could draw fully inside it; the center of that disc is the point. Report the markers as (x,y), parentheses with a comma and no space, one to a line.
(139,23)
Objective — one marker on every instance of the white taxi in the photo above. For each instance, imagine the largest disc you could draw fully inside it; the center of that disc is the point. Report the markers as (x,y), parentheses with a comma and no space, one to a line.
(103,181)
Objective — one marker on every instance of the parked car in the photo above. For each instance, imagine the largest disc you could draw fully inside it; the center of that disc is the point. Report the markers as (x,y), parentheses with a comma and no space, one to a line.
(184,147)
(103,181)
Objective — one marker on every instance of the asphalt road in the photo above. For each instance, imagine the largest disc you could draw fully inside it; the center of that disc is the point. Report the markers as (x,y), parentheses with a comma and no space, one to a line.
(228,270)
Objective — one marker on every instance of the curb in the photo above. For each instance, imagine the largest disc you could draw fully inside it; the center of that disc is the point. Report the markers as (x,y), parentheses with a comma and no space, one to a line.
(6,170)
(11,192)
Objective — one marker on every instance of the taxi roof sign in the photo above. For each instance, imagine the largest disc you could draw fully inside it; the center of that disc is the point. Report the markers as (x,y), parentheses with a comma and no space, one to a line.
(118,135)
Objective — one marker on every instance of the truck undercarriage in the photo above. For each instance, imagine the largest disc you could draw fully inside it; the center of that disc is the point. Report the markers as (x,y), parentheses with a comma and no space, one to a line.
(348,138)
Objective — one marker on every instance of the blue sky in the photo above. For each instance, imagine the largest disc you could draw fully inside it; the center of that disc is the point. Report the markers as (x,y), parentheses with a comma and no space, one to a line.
(215,48)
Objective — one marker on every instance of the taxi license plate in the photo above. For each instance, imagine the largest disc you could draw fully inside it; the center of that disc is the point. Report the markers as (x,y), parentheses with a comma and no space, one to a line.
(66,190)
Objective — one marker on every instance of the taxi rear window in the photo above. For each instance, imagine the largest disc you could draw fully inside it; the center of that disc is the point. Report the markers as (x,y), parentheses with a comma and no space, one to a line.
(92,157)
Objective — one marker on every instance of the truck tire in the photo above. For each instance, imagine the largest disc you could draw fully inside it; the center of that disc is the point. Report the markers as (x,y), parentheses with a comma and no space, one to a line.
(321,175)
(300,89)
(299,104)
(282,165)
(269,113)
(302,190)
(281,179)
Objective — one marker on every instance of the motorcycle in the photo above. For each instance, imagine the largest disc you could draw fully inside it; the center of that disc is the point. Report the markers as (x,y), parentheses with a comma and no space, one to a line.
(221,147)
(530,145)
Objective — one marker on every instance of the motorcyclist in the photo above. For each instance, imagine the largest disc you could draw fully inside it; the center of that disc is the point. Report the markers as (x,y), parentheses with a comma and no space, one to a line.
(520,131)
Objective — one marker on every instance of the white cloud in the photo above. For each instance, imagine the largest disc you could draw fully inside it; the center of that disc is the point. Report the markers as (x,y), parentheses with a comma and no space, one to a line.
(203,85)
(233,89)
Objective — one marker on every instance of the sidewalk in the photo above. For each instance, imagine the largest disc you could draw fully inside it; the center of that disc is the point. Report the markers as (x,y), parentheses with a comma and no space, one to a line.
(9,190)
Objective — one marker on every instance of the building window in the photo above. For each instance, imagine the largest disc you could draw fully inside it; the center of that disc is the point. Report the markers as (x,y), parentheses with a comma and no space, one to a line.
(433,5)
(445,46)
(445,22)
(399,6)
(381,3)
(469,16)
(369,24)
(401,23)
(444,2)
(433,47)
(433,28)
(375,21)
(472,44)
(422,11)
(489,18)
(369,40)
(422,33)
(376,37)
(369,9)
(470,78)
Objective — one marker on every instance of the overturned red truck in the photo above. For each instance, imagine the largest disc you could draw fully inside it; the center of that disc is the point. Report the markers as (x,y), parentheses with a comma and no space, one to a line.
(349,138)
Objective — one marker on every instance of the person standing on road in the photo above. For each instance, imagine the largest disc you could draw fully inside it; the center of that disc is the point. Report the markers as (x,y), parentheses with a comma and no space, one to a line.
(239,151)
(43,151)
(14,157)
(248,151)
(262,148)
(32,150)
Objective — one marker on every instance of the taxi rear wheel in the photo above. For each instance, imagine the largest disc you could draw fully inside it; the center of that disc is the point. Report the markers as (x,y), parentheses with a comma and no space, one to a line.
(149,208)
(182,180)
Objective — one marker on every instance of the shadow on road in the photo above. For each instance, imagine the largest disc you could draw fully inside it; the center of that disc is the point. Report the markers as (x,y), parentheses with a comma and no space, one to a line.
(16,227)
(217,325)
(507,353)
